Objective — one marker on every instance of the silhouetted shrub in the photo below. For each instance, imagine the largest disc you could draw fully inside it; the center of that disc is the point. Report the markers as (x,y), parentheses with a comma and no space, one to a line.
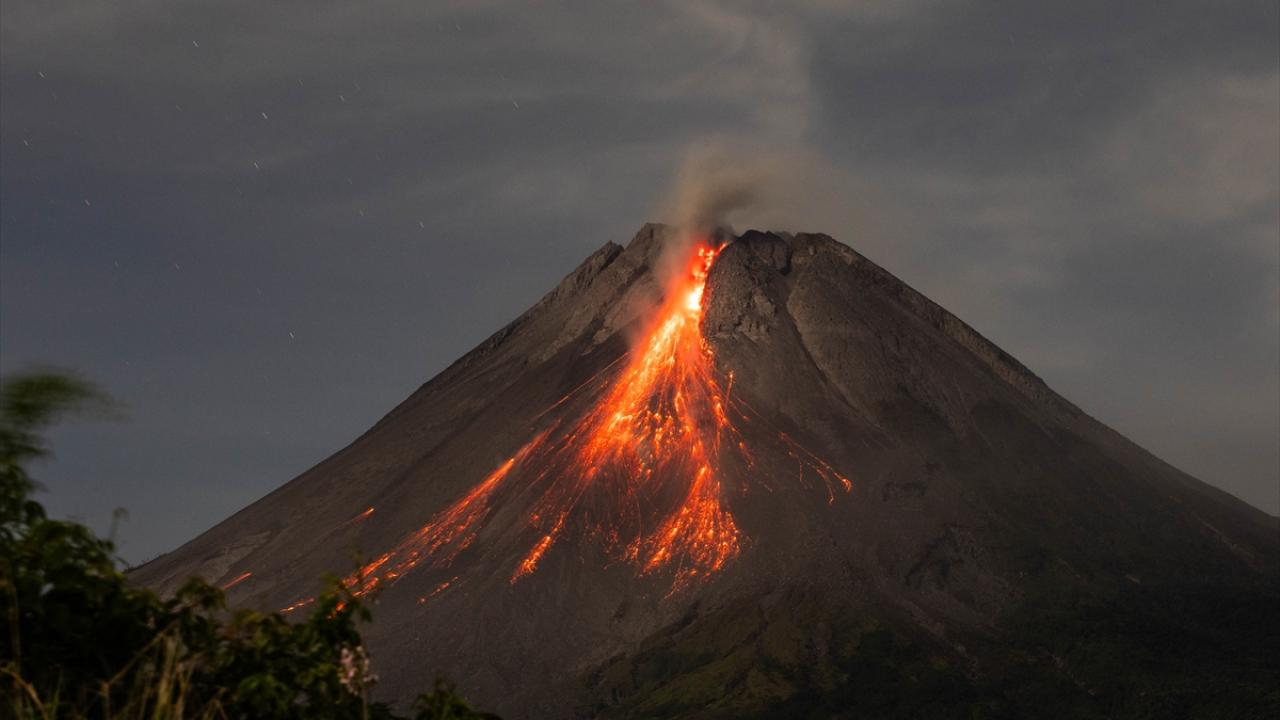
(78,641)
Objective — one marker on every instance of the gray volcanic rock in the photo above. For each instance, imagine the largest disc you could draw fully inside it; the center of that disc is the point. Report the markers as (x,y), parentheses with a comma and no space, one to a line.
(987,522)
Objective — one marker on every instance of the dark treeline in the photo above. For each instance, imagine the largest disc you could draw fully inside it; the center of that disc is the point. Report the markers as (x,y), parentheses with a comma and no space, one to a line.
(77,641)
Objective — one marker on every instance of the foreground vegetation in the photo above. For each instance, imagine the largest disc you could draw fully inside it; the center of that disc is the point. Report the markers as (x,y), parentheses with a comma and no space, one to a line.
(78,641)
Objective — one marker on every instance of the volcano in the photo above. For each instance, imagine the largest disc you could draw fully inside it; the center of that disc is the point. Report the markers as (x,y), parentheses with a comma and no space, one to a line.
(712,475)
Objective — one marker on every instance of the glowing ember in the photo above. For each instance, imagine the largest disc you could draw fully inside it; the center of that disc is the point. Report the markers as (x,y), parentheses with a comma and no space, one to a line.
(640,472)
(236,580)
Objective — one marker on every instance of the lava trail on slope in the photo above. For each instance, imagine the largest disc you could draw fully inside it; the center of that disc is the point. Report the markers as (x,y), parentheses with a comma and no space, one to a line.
(641,472)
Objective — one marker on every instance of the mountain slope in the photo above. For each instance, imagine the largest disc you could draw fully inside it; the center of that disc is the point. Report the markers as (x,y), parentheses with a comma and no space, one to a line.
(782,481)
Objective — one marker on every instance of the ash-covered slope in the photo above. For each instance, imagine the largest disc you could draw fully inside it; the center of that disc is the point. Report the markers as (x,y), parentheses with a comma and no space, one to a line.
(791,485)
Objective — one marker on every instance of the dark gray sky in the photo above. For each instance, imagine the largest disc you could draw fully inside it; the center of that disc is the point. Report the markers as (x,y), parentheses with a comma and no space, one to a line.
(261,225)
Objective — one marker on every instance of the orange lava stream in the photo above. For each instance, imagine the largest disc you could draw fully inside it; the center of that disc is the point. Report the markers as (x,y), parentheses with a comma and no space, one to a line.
(237,580)
(640,472)
(661,418)
(451,531)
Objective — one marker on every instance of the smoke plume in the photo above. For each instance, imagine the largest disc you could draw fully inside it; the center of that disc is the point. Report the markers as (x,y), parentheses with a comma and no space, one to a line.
(738,184)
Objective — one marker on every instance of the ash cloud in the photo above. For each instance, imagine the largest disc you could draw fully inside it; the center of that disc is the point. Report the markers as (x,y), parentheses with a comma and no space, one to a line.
(739,184)
(710,186)
(715,182)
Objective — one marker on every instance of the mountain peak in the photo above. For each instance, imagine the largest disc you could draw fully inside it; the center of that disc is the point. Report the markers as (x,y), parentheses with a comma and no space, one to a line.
(690,425)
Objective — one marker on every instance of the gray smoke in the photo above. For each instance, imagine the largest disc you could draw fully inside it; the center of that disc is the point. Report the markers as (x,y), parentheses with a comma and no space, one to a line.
(719,179)
(741,184)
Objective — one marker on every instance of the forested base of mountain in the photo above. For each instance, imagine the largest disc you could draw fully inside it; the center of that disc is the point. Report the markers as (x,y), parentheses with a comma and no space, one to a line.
(1205,651)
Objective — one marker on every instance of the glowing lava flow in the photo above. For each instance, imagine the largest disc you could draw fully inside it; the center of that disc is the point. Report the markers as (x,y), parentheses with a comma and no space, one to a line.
(639,472)
(661,419)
